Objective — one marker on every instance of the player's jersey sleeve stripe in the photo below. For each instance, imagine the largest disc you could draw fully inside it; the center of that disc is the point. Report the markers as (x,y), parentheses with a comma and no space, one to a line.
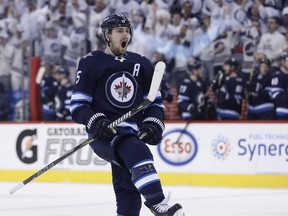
(182,98)
(281,111)
(75,106)
(185,115)
(80,96)
(157,105)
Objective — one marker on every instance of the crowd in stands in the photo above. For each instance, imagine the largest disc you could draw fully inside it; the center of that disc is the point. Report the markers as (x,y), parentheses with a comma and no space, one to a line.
(214,47)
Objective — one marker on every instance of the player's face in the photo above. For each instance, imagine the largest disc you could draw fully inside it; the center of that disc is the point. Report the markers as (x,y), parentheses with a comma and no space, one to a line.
(119,40)
(285,64)
(227,69)
(199,72)
(264,69)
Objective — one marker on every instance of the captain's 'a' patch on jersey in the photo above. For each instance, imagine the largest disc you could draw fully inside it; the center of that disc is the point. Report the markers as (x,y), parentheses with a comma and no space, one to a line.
(121,89)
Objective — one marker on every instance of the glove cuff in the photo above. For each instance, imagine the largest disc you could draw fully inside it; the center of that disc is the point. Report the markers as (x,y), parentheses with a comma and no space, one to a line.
(93,119)
(156,121)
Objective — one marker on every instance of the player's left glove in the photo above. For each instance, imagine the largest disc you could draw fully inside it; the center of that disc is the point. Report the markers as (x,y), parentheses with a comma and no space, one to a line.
(151,130)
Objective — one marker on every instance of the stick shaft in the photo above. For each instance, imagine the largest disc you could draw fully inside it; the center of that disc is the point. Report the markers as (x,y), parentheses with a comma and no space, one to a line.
(183,131)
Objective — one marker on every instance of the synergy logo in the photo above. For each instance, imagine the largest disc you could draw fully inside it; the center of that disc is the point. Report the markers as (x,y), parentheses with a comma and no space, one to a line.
(221,147)
(25,146)
(178,153)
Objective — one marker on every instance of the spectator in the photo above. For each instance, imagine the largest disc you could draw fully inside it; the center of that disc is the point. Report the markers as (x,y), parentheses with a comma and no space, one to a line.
(74,45)
(191,99)
(271,43)
(61,18)
(230,92)
(284,25)
(51,45)
(126,7)
(189,18)
(222,50)
(279,89)
(174,27)
(97,13)
(260,106)
(249,38)
(7,53)
(201,45)
(19,73)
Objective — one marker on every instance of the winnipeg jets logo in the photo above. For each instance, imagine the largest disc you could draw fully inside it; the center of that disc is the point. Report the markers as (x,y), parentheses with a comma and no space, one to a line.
(121,89)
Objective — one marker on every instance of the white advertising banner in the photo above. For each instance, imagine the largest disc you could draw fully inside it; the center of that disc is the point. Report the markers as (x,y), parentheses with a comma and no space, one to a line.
(225,148)
(231,148)
(33,146)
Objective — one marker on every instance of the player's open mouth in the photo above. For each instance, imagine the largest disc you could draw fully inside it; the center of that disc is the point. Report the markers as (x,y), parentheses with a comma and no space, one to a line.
(123,44)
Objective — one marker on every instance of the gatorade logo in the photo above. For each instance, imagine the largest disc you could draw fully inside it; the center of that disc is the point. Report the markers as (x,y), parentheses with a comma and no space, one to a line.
(25,147)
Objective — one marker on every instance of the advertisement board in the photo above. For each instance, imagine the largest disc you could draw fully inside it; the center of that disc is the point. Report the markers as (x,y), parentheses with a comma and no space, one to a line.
(225,149)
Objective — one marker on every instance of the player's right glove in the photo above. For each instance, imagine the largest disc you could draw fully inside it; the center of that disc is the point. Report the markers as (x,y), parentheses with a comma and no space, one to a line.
(151,131)
(98,127)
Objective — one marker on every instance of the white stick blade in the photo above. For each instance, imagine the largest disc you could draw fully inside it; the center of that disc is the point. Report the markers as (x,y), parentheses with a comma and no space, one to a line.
(156,80)
(40,75)
(16,188)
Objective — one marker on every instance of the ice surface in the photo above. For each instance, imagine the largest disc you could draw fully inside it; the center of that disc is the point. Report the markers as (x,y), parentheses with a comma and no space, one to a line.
(68,199)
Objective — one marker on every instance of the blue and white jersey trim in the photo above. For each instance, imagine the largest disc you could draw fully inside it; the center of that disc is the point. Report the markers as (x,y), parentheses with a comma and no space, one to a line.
(182,98)
(75,106)
(185,115)
(274,91)
(228,113)
(281,111)
(80,96)
(261,108)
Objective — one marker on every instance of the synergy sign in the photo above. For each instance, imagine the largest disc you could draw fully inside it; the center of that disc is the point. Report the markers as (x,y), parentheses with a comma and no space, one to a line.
(178,153)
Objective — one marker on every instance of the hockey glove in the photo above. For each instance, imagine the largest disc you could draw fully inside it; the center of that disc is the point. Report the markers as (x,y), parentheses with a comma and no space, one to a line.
(151,131)
(98,127)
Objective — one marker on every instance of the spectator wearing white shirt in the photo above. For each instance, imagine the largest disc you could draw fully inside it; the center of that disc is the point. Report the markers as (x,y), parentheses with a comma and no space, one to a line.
(7,53)
(125,7)
(188,17)
(97,12)
(174,27)
(271,43)
(202,47)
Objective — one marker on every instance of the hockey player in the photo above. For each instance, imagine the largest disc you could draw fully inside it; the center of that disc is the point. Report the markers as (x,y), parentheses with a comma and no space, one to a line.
(231,93)
(109,84)
(49,86)
(63,95)
(279,88)
(191,94)
(260,106)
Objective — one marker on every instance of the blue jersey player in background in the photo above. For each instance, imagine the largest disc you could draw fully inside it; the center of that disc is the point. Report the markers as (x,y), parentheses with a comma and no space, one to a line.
(109,84)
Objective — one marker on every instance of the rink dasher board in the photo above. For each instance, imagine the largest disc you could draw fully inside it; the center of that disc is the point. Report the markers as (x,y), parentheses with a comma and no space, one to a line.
(216,154)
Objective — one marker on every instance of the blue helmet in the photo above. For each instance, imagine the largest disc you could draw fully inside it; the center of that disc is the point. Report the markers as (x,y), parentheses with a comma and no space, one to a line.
(114,21)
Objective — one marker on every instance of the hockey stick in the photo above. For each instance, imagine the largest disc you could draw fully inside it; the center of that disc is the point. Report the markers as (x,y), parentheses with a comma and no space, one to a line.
(154,87)
(183,131)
